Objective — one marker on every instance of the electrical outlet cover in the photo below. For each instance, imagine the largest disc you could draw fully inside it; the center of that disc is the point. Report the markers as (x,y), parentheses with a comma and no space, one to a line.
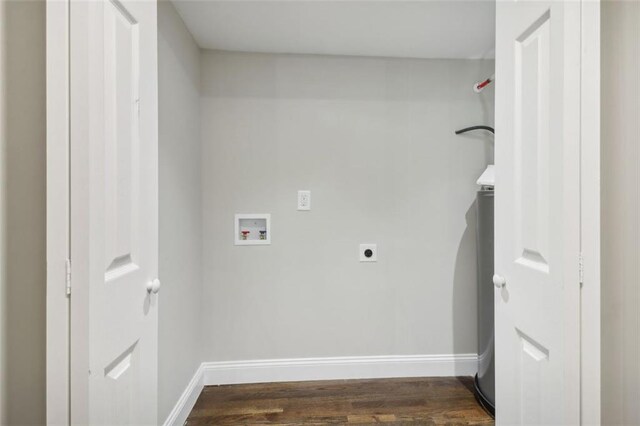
(368,252)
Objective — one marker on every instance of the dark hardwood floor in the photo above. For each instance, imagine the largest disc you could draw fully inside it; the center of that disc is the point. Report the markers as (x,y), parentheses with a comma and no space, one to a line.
(425,401)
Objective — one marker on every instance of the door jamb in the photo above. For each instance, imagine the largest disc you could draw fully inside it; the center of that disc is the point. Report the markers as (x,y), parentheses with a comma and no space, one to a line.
(58,231)
(590,381)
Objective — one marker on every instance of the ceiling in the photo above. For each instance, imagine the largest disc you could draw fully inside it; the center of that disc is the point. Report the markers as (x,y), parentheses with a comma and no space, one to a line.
(393,28)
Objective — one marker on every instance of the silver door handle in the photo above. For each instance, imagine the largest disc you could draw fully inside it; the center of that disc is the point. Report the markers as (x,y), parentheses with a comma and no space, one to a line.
(499,281)
(153,286)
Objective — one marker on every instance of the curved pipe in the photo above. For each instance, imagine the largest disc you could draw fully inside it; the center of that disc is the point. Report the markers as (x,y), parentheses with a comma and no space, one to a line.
(468,129)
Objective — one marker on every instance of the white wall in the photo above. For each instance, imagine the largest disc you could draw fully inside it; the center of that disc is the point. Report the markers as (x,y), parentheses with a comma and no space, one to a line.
(373,141)
(620,212)
(22,212)
(180,207)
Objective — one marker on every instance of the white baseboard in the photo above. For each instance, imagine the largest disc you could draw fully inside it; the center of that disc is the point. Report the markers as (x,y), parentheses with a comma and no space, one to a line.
(187,400)
(334,368)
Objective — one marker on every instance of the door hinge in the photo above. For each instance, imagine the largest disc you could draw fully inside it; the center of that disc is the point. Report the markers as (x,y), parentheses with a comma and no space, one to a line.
(581,268)
(67,268)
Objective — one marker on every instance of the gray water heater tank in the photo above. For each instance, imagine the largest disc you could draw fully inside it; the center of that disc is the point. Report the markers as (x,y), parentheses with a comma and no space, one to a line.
(485,387)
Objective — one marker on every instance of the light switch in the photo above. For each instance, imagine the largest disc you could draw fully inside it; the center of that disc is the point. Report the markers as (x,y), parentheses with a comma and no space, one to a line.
(304,200)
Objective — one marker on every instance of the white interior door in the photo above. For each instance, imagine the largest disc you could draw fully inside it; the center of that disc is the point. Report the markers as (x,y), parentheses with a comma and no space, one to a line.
(537,215)
(114,219)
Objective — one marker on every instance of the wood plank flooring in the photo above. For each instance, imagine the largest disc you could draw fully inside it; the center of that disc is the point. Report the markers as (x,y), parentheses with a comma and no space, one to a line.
(424,401)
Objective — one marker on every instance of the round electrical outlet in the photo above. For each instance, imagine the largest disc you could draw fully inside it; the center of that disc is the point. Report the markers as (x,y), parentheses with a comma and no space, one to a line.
(368,253)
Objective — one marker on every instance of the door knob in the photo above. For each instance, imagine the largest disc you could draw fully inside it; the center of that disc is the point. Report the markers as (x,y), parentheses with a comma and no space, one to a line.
(499,281)
(153,286)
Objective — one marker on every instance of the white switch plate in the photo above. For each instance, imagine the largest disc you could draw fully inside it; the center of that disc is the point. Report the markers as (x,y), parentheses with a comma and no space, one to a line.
(304,200)
(364,251)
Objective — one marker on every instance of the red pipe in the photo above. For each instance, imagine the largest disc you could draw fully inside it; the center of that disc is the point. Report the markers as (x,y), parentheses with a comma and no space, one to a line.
(483,84)
(479,86)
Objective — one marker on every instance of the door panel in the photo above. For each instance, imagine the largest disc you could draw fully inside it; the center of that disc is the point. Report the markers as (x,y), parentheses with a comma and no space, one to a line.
(537,212)
(121,77)
(115,204)
(532,55)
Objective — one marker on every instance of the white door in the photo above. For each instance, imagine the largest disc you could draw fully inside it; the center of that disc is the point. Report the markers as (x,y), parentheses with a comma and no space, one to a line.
(537,214)
(114,210)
